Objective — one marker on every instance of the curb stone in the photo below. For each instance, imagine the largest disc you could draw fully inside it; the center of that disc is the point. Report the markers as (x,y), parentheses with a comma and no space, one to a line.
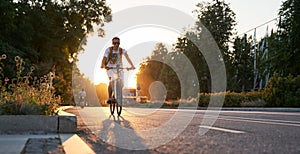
(38,124)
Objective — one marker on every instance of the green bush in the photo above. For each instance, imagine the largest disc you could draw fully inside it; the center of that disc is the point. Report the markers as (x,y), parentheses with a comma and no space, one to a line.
(232,99)
(26,94)
(204,99)
(283,91)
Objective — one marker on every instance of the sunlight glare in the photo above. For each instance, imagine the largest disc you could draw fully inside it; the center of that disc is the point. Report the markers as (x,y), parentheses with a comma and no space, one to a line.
(90,60)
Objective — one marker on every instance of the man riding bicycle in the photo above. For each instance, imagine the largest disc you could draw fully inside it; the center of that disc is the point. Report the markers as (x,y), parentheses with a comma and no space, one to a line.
(82,96)
(113,57)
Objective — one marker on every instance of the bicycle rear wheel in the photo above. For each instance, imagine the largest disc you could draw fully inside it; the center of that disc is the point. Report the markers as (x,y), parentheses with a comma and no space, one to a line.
(81,104)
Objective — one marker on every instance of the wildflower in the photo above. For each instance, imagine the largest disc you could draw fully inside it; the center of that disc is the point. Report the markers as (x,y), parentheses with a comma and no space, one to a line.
(6,79)
(51,75)
(19,100)
(17,58)
(32,68)
(3,56)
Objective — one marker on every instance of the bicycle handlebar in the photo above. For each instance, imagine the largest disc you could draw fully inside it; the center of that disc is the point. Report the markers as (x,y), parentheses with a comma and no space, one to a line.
(127,68)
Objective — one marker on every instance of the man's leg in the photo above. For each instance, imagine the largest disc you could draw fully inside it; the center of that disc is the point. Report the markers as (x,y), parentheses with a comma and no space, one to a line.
(109,91)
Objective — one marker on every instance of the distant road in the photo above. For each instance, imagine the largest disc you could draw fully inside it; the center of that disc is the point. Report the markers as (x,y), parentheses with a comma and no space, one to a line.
(232,132)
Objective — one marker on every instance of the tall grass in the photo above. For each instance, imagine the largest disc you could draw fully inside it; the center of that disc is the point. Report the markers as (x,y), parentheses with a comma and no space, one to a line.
(25,94)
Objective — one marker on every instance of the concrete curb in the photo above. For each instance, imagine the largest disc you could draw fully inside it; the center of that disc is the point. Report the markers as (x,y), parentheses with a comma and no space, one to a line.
(38,124)
(67,122)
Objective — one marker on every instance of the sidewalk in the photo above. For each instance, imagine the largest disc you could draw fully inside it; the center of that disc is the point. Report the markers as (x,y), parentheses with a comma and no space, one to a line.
(70,144)
(58,143)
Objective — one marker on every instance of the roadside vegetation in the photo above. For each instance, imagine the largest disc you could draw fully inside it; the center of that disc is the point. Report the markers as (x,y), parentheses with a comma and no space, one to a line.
(48,34)
(260,72)
(39,43)
(26,94)
(280,92)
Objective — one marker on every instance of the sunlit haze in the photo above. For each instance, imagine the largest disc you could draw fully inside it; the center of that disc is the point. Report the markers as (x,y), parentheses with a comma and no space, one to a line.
(140,41)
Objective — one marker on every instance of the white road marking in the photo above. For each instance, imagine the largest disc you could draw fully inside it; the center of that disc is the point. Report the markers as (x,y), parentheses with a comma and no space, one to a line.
(267,121)
(222,129)
(260,119)
(257,120)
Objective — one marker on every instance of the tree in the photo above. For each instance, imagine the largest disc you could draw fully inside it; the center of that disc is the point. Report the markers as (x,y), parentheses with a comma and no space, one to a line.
(173,70)
(47,34)
(150,69)
(102,93)
(219,20)
(242,62)
(288,51)
(186,46)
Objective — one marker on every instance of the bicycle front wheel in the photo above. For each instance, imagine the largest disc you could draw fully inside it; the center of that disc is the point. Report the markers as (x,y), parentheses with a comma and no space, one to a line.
(112,107)
(119,97)
(119,108)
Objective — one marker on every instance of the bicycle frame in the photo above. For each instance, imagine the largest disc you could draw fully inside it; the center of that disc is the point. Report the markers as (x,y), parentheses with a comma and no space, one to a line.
(117,91)
(82,102)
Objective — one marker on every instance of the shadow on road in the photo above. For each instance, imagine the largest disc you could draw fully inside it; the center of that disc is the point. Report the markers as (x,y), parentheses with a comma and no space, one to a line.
(110,131)
(118,132)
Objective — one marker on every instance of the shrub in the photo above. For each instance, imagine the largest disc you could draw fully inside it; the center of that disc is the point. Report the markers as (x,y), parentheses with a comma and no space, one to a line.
(283,91)
(25,94)
(232,99)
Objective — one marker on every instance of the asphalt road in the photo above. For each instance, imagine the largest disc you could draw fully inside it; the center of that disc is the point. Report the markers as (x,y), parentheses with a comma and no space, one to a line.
(191,131)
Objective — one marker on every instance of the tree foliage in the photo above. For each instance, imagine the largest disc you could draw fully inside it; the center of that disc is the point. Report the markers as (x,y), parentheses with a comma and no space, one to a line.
(219,20)
(151,68)
(47,34)
(277,52)
(186,46)
(242,64)
(172,69)
(288,51)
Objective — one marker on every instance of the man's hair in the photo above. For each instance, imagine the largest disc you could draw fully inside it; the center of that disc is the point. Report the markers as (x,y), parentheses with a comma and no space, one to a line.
(116,38)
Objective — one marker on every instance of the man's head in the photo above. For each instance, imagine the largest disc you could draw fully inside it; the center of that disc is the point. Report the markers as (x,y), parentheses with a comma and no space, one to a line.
(116,42)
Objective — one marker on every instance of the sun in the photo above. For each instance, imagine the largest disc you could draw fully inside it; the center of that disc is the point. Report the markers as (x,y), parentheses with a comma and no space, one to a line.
(101,77)
(138,48)
(131,81)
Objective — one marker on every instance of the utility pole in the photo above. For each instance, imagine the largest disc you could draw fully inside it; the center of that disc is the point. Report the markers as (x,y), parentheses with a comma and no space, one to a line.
(254,50)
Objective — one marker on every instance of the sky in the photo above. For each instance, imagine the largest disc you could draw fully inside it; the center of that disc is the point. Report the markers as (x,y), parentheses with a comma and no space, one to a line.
(249,14)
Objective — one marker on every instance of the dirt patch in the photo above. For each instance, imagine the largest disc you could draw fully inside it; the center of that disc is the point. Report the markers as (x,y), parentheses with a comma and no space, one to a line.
(43,145)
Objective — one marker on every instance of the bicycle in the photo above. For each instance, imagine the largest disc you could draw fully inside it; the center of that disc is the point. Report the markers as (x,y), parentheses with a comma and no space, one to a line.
(82,102)
(117,95)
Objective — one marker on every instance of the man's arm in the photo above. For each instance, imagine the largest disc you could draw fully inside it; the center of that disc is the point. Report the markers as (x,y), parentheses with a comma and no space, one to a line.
(129,60)
(103,62)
